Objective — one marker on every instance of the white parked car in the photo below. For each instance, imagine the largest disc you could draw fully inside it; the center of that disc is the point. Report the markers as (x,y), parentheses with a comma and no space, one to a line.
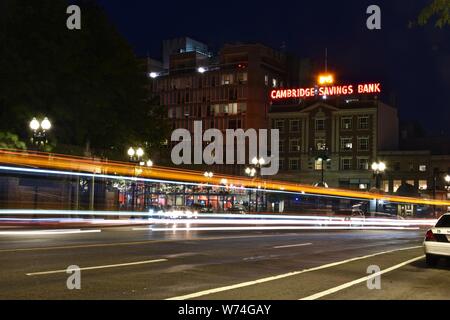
(437,241)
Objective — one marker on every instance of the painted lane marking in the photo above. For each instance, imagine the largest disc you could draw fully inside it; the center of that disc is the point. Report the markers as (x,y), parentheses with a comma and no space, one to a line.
(293,245)
(281,276)
(98,267)
(113,244)
(363,279)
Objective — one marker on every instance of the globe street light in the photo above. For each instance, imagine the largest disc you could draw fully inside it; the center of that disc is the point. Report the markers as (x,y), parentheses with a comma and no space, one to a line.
(39,131)
(208,175)
(378,169)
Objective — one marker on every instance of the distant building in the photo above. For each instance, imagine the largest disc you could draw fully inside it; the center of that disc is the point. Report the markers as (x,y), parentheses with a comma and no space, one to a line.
(226,91)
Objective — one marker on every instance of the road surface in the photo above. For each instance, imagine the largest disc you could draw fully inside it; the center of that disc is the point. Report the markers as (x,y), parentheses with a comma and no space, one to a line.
(125,263)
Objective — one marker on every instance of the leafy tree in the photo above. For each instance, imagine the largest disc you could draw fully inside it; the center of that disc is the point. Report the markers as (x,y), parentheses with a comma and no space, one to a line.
(11,141)
(439,9)
(88,82)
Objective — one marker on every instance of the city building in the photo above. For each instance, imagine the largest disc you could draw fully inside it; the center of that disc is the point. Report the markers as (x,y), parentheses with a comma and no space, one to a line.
(333,142)
(229,90)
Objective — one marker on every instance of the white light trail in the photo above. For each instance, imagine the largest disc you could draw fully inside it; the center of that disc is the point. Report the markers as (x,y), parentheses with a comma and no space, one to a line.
(46,232)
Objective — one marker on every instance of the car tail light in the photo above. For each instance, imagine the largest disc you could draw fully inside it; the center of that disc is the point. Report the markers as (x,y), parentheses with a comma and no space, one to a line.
(430,236)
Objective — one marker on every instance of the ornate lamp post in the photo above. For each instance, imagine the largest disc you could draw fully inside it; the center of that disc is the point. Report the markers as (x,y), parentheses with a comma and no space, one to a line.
(40,131)
(378,169)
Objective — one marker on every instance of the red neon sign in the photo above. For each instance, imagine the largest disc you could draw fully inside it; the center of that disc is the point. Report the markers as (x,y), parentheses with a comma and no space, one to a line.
(365,88)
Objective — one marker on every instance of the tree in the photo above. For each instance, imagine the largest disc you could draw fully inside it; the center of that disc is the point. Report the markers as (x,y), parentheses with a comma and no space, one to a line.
(88,82)
(439,9)
(11,141)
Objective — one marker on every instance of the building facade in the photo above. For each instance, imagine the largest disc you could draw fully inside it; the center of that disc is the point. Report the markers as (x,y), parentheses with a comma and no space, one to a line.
(336,138)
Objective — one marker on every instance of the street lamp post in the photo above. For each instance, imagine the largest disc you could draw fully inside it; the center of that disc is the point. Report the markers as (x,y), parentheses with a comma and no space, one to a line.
(208,175)
(40,131)
(378,169)
(436,174)
(253,172)
(39,139)
(136,156)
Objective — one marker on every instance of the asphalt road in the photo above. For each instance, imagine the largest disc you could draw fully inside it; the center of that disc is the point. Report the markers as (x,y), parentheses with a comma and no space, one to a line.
(141,264)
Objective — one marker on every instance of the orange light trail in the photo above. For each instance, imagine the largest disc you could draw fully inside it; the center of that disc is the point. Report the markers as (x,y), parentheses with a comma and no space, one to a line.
(80,164)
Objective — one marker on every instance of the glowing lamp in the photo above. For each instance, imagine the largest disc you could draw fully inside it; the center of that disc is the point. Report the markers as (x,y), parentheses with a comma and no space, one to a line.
(325,79)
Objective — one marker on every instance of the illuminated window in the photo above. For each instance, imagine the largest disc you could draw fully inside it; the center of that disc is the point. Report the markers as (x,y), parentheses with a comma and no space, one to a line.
(363,186)
(227,79)
(346,144)
(363,122)
(386,186)
(410,182)
(363,144)
(242,77)
(320,144)
(274,83)
(266,80)
(397,184)
(294,125)
(320,124)
(422,168)
(363,163)
(346,123)
(346,163)
(423,185)
(318,164)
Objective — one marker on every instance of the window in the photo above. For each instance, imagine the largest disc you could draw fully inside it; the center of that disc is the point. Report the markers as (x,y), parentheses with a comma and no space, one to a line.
(363,122)
(281,164)
(320,144)
(281,146)
(346,123)
(320,124)
(294,145)
(293,164)
(318,164)
(363,144)
(294,125)
(363,186)
(363,164)
(274,83)
(279,124)
(397,184)
(227,79)
(242,77)
(241,107)
(266,80)
(386,186)
(423,185)
(422,168)
(346,144)
(234,124)
(346,163)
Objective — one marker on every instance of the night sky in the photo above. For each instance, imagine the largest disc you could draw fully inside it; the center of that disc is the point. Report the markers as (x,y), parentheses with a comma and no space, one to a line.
(413,64)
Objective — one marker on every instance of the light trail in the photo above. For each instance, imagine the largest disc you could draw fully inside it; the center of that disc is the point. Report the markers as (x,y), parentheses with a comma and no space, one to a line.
(111,169)
(192,218)
(270,228)
(46,232)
